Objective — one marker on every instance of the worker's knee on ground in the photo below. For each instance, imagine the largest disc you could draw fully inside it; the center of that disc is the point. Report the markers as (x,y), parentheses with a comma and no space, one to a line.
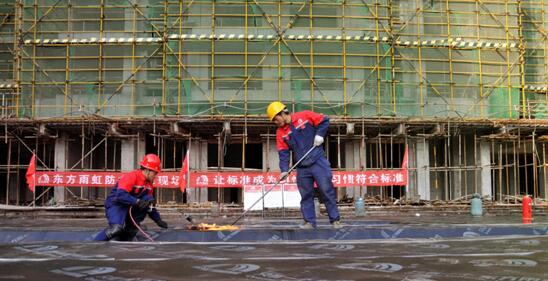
(114,230)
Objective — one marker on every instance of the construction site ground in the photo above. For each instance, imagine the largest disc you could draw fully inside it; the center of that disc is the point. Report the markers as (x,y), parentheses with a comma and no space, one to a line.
(388,243)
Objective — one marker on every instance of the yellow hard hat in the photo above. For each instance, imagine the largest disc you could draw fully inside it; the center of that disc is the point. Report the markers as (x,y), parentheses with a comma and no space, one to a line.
(274,108)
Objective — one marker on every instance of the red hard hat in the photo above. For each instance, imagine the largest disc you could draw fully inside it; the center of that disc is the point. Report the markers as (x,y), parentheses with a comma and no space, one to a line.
(152,162)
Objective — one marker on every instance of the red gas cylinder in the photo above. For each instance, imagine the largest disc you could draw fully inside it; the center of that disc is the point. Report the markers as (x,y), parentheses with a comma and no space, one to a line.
(527,209)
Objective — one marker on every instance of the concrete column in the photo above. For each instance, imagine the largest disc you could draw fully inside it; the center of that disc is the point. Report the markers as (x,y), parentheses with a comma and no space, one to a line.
(60,160)
(456,186)
(352,160)
(270,156)
(543,183)
(133,151)
(423,169)
(418,183)
(411,190)
(198,161)
(485,163)
(543,167)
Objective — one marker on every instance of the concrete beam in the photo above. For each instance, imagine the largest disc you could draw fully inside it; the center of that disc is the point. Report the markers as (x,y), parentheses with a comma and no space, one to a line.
(177,130)
(400,130)
(350,129)
(43,131)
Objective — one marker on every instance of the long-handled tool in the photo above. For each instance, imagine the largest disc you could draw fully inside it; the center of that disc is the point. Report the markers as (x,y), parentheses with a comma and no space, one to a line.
(275,184)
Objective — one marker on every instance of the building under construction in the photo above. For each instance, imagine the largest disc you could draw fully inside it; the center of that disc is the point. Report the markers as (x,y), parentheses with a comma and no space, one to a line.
(93,85)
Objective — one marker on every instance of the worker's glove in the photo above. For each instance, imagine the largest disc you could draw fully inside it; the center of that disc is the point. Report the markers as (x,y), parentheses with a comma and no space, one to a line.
(144,203)
(318,140)
(161,223)
(283,175)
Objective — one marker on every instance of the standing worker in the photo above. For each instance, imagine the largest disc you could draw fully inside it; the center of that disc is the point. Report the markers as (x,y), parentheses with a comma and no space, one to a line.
(132,193)
(299,132)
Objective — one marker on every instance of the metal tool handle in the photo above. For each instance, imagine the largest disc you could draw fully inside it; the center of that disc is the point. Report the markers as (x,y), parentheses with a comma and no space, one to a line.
(275,184)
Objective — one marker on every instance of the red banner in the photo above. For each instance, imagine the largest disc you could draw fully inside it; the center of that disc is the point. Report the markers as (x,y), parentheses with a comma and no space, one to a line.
(31,173)
(184,171)
(220,179)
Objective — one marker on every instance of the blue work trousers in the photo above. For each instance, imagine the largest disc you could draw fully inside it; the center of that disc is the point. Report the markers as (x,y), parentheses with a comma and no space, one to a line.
(119,214)
(319,172)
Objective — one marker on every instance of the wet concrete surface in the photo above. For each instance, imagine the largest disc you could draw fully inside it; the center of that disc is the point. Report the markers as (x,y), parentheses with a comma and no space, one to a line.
(456,247)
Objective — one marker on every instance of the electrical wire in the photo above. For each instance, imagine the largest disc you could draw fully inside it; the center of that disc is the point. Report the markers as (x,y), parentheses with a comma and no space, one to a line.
(137,226)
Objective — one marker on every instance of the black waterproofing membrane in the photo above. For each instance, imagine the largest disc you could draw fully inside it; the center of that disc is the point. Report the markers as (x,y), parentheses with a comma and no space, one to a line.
(350,231)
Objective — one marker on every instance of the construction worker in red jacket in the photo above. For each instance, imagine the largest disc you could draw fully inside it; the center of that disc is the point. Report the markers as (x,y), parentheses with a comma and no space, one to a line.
(298,132)
(132,193)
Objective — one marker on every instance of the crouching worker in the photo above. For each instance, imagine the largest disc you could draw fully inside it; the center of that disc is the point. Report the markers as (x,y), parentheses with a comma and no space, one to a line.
(132,193)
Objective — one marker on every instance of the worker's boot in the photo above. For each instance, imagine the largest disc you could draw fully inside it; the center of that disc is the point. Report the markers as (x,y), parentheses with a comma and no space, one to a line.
(306,225)
(336,225)
(113,231)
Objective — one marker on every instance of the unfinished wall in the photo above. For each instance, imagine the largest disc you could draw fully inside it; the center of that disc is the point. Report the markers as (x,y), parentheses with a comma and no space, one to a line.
(467,80)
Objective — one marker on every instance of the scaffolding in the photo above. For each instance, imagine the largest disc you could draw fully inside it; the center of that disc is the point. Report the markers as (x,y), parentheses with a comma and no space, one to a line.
(437,68)
(461,59)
